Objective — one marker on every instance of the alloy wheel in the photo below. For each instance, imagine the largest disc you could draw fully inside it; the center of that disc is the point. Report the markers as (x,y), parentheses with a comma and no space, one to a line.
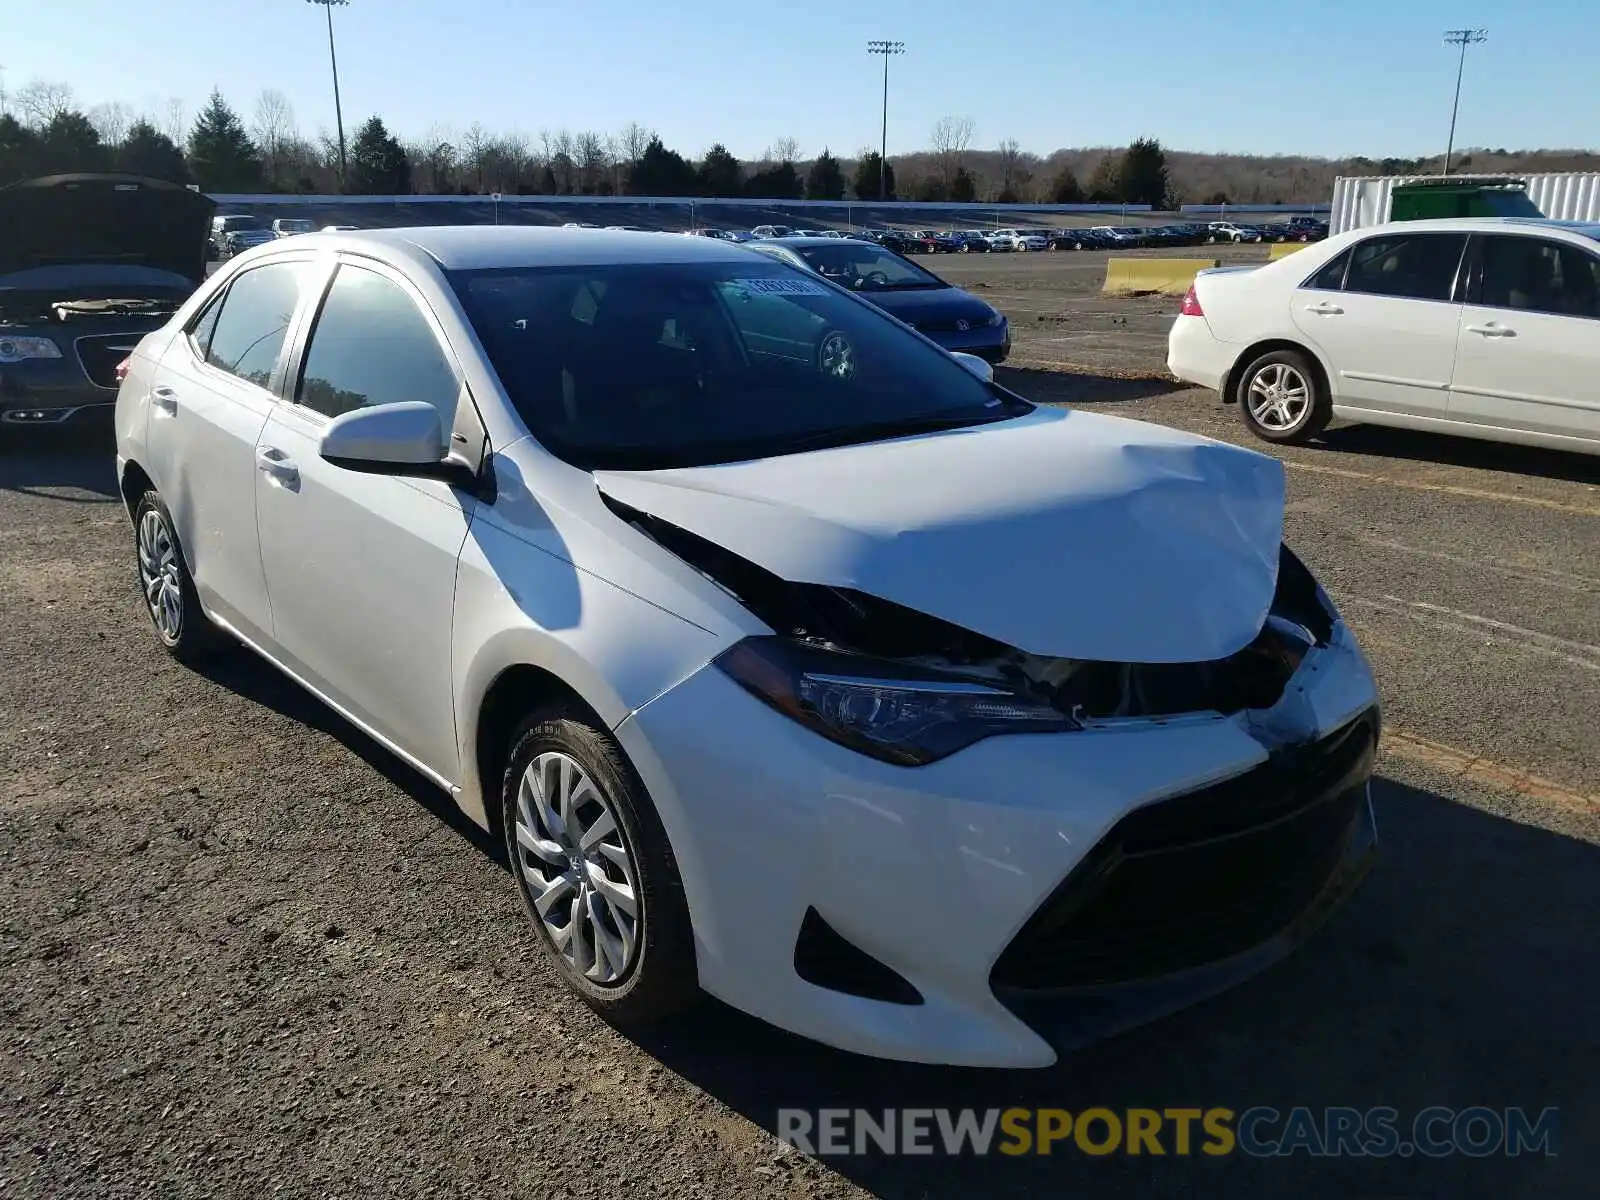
(579,869)
(836,356)
(159,574)
(1279,397)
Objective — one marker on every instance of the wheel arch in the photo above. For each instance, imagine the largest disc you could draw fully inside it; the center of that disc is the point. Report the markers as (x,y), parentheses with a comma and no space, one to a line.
(1230,381)
(135,482)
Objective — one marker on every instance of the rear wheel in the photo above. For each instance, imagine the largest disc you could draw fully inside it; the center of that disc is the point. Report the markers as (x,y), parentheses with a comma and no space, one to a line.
(167,587)
(1281,398)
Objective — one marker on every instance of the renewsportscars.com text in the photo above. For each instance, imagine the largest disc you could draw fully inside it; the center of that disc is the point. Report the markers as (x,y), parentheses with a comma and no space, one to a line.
(1258,1132)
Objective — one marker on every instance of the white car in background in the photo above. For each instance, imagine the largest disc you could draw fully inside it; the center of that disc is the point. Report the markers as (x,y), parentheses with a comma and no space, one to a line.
(716,592)
(1485,327)
(291,226)
(1018,239)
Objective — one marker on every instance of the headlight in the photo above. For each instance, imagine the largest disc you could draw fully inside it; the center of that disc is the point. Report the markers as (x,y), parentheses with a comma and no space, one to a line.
(16,349)
(994,319)
(899,714)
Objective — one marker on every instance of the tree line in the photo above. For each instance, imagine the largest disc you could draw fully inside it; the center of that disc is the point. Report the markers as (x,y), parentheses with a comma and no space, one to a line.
(44,131)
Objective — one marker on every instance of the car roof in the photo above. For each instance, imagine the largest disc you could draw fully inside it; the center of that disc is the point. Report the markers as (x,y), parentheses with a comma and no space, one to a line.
(486,247)
(1590,229)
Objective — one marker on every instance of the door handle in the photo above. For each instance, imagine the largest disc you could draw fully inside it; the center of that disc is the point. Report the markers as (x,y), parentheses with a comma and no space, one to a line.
(1324,309)
(1491,330)
(277,466)
(164,400)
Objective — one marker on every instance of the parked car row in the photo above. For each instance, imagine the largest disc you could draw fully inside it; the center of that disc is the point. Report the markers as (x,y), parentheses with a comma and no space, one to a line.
(238,232)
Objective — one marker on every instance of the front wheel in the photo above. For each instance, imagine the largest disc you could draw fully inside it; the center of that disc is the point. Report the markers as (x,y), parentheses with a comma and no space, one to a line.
(595,870)
(1281,399)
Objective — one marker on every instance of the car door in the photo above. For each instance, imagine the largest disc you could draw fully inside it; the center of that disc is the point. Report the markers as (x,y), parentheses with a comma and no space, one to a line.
(1529,349)
(211,397)
(361,568)
(1384,316)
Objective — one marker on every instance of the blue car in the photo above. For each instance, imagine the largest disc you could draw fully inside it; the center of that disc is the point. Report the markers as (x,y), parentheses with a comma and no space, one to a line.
(955,319)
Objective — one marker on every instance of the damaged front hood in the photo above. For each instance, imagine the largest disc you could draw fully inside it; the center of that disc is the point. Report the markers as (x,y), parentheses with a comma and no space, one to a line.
(1061,533)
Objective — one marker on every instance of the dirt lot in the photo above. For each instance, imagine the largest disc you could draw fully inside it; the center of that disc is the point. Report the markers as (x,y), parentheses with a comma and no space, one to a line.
(242,950)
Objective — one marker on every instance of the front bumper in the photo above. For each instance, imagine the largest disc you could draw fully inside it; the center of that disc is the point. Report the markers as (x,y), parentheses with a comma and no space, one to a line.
(49,391)
(991,342)
(934,872)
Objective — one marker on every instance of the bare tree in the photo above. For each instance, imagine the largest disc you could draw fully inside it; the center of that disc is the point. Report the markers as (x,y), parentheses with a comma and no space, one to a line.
(632,141)
(111,122)
(273,127)
(43,100)
(173,121)
(1013,172)
(563,163)
(591,158)
(951,137)
(518,158)
(785,150)
(476,146)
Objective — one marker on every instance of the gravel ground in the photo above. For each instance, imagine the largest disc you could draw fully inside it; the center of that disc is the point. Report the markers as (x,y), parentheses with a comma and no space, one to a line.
(243,950)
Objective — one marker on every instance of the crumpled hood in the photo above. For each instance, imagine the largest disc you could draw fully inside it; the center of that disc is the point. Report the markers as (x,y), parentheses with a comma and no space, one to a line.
(1061,533)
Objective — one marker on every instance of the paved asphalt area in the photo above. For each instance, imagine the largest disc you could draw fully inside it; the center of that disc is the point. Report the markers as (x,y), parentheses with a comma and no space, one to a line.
(243,950)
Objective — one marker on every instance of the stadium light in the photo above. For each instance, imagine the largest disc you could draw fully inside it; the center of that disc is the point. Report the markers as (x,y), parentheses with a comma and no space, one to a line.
(338,113)
(887,49)
(1462,38)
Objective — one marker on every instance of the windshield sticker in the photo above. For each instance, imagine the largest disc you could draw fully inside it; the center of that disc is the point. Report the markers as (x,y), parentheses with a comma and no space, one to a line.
(781,287)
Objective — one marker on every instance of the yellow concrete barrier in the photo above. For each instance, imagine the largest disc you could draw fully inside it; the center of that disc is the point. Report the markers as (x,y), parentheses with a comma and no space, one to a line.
(1284,249)
(1144,276)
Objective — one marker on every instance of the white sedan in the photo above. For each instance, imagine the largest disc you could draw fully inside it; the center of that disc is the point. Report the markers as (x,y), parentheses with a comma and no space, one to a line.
(1018,239)
(792,658)
(1484,327)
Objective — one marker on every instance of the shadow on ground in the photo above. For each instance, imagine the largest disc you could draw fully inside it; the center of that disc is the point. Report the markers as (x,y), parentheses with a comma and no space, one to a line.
(1463,973)
(1380,442)
(45,461)
(1075,387)
(247,675)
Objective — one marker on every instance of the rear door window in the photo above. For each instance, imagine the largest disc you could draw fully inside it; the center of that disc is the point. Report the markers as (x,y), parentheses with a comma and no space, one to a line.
(1420,266)
(248,333)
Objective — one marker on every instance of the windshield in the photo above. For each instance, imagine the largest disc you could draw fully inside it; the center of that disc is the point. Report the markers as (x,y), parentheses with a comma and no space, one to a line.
(642,367)
(234,224)
(863,267)
(296,226)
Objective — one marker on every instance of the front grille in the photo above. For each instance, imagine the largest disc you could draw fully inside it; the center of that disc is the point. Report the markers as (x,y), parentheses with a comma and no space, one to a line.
(1201,877)
(99,356)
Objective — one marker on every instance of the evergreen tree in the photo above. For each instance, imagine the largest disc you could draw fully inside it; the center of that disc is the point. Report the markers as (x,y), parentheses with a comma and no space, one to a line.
(1142,174)
(221,154)
(1104,185)
(69,142)
(1065,188)
(825,180)
(720,173)
(19,150)
(661,172)
(964,188)
(867,183)
(781,182)
(147,151)
(379,165)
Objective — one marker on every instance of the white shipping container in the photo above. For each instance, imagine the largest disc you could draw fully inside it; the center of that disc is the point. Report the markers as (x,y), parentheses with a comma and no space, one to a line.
(1362,200)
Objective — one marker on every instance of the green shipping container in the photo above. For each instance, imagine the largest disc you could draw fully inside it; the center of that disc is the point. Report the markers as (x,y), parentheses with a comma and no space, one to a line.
(1461,196)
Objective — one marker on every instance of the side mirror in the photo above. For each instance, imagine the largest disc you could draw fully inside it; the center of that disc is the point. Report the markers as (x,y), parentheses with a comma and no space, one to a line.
(398,439)
(978,366)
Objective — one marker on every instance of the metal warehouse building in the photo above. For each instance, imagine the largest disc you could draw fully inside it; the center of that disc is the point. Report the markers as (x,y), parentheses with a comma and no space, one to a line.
(1361,200)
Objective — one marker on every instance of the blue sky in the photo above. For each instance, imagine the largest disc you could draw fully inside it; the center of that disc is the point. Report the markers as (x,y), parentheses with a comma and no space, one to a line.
(1310,76)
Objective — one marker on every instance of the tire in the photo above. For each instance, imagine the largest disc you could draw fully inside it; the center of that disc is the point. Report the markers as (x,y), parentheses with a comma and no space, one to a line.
(656,976)
(165,584)
(1281,398)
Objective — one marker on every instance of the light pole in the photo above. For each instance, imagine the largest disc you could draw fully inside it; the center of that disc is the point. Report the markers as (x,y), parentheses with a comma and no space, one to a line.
(887,49)
(338,113)
(1462,38)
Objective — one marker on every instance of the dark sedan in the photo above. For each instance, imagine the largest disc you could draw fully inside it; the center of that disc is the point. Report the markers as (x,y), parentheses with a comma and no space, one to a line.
(89,264)
(955,319)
